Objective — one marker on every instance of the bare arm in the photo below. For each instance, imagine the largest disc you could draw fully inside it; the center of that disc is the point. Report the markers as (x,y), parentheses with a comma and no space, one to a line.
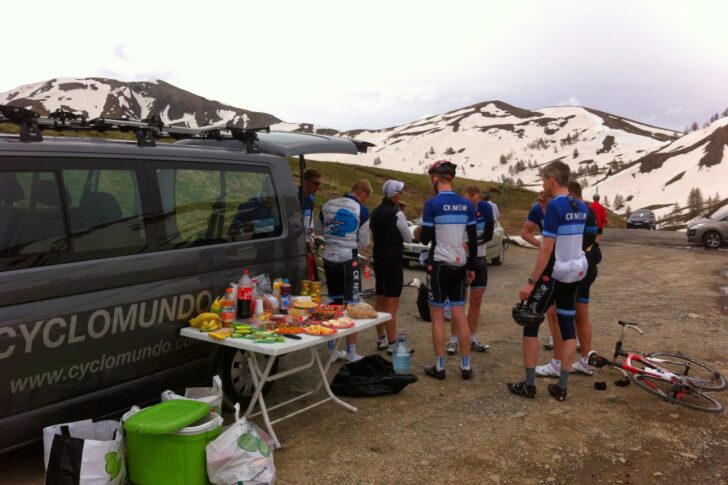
(527,234)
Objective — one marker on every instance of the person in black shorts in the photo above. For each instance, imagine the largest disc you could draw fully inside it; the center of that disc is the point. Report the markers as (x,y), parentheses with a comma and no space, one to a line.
(447,219)
(484,223)
(593,254)
(560,266)
(390,230)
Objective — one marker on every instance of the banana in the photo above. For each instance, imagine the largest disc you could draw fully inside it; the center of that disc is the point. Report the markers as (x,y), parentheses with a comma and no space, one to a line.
(203,317)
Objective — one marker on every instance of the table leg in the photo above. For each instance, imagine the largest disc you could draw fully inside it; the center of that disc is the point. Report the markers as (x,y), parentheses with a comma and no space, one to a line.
(260,379)
(325,382)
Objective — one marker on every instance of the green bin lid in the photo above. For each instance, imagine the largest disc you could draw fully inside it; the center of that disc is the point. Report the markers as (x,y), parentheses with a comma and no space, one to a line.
(167,417)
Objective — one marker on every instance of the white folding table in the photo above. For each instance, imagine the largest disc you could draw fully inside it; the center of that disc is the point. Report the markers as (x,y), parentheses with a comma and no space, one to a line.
(261,377)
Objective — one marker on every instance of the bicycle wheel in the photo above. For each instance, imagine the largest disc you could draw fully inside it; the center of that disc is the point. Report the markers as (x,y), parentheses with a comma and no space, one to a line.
(677,394)
(700,375)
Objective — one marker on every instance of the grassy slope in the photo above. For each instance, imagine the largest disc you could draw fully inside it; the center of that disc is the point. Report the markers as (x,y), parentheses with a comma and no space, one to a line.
(513,202)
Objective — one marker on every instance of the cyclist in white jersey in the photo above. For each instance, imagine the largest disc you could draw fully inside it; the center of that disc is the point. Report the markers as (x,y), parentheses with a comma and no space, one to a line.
(344,223)
(446,219)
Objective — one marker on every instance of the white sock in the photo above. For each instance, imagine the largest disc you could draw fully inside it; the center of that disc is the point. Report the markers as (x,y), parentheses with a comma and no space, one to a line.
(556,364)
(584,361)
(473,337)
(453,339)
(351,350)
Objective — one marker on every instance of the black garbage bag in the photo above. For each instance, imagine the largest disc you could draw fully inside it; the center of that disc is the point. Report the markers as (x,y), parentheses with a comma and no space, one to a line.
(370,376)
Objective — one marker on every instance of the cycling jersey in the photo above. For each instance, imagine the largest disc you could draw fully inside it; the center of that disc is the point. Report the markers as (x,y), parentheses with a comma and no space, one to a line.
(345,225)
(484,224)
(389,229)
(445,219)
(307,209)
(601,214)
(535,215)
(565,221)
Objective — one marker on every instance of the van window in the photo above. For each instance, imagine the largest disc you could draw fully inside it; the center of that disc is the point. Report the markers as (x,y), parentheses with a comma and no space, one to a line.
(105,210)
(211,206)
(32,220)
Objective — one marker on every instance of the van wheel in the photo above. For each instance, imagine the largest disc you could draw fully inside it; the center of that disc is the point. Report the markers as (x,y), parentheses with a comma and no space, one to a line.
(423,303)
(237,384)
(712,240)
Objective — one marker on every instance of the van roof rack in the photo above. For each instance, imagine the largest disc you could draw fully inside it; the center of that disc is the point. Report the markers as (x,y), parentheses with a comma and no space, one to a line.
(31,125)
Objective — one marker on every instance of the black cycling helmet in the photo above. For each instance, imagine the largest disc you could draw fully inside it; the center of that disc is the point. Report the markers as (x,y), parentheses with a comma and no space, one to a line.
(595,196)
(443,168)
(526,317)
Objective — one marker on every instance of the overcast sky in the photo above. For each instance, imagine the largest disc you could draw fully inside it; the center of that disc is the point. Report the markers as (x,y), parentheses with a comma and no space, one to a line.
(376,64)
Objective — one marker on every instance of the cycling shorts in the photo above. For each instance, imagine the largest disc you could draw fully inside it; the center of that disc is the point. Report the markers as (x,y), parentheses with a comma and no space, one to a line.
(481,274)
(389,277)
(548,291)
(445,282)
(343,280)
(582,294)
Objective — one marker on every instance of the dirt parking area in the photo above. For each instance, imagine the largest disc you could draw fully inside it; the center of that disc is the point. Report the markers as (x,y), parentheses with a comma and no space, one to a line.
(474,431)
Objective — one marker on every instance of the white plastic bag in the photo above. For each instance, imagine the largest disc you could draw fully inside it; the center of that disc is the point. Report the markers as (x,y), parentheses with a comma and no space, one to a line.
(240,455)
(84,452)
(210,395)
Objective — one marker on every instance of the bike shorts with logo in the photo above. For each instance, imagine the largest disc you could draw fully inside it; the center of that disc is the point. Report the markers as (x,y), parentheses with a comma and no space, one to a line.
(389,277)
(343,281)
(548,291)
(481,275)
(445,282)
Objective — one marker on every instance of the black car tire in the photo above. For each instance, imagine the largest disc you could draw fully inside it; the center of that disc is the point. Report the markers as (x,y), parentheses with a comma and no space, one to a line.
(423,303)
(712,239)
(237,384)
(499,260)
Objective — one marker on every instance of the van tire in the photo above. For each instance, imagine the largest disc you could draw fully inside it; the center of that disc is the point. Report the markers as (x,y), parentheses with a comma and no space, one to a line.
(237,384)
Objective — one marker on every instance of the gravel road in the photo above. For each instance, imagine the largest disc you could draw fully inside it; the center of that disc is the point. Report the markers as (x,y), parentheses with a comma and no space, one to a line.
(456,431)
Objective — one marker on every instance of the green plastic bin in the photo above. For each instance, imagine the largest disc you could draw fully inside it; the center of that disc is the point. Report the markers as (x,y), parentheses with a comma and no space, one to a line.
(166,443)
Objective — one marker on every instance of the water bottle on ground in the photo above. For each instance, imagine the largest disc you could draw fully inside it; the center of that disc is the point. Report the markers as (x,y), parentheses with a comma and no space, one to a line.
(402,359)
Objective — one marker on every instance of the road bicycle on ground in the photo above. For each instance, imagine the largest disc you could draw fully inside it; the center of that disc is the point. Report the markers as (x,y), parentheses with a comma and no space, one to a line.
(672,377)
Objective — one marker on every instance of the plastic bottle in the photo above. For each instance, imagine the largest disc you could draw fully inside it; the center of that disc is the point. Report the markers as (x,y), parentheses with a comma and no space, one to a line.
(259,310)
(402,359)
(245,297)
(285,296)
(228,307)
(277,291)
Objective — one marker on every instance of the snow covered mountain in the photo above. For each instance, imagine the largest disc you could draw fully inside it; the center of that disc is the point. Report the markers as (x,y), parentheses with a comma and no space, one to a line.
(496,141)
(644,165)
(100,97)
(661,178)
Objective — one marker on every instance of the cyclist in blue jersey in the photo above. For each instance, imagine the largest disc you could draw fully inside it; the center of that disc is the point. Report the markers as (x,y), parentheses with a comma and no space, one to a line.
(344,223)
(484,223)
(583,327)
(447,219)
(560,266)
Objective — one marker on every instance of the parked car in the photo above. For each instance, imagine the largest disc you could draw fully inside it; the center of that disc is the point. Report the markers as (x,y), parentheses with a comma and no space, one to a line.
(107,248)
(495,249)
(711,231)
(642,218)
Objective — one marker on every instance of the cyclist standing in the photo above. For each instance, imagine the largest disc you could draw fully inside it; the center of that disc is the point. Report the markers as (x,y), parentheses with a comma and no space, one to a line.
(390,231)
(601,214)
(484,223)
(344,223)
(560,266)
(447,219)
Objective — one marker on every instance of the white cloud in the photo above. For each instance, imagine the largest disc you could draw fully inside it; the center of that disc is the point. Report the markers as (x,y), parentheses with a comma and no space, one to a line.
(570,101)
(119,52)
(677,111)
